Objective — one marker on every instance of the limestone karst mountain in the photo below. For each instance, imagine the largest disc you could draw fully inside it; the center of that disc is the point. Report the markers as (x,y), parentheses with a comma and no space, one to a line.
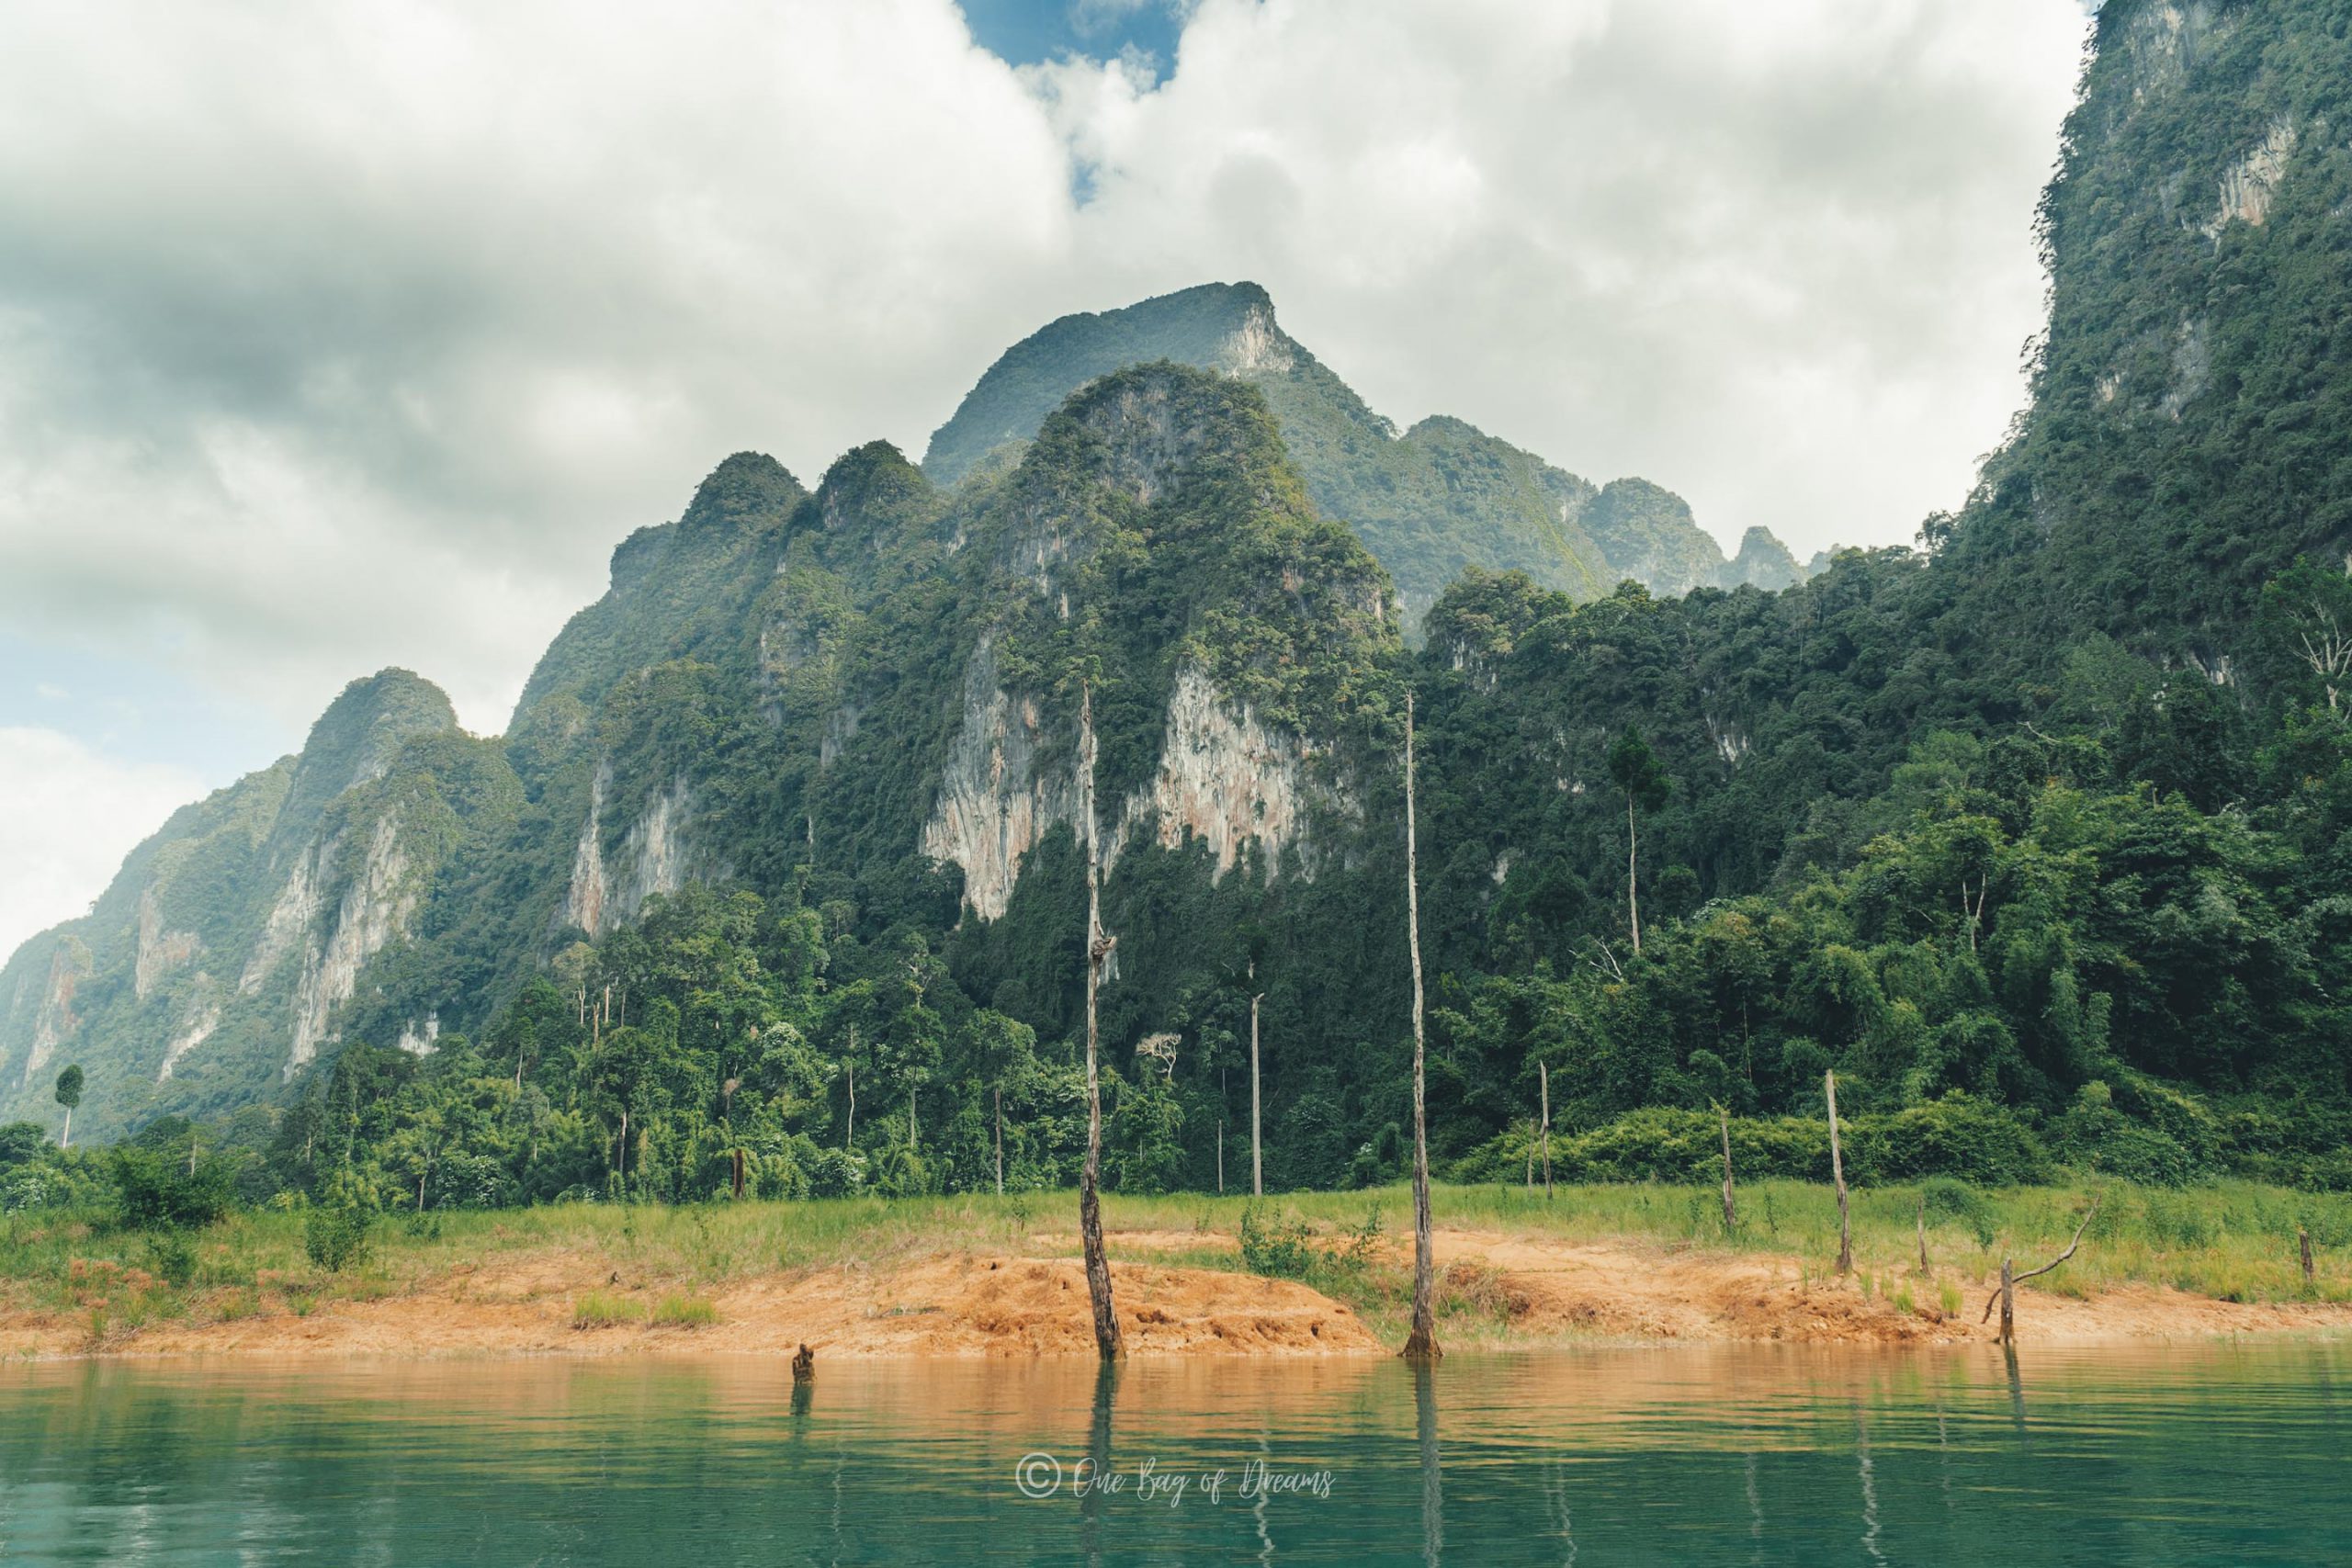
(1429,502)
(858,702)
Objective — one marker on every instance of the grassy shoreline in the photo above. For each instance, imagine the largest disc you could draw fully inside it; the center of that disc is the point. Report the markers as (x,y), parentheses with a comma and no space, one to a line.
(2232,1242)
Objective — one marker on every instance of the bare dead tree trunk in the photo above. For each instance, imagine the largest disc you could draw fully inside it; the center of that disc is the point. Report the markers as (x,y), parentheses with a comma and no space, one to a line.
(1220,1156)
(1257,1153)
(1543,1076)
(999,1142)
(1838,1174)
(1421,1344)
(849,1136)
(1633,874)
(1731,1209)
(1922,1221)
(1098,949)
(2006,1294)
(2304,1239)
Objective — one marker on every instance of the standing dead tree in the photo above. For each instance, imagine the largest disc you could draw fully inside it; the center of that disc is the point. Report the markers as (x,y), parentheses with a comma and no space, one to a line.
(1838,1174)
(2303,1243)
(1731,1209)
(2006,1294)
(1257,1150)
(1420,1345)
(1543,1076)
(1099,945)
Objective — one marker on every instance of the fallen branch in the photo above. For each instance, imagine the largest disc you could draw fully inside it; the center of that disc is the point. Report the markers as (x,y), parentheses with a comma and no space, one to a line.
(2087,1215)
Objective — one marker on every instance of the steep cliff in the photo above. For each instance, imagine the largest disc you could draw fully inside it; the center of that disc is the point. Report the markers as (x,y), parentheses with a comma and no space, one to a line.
(224,947)
(860,703)
(1429,502)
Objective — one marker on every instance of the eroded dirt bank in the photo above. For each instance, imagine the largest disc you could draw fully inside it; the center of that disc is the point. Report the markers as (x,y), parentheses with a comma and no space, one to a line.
(1501,1291)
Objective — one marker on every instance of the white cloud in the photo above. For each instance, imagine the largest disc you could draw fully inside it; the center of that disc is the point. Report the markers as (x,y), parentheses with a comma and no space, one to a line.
(337,336)
(1775,257)
(70,817)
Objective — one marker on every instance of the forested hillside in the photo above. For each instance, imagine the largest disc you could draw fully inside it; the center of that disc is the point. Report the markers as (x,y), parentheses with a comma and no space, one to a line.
(1429,502)
(2039,834)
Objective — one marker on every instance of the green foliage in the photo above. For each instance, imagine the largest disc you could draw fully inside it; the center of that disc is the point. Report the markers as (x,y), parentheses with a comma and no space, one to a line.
(601,1309)
(2038,835)
(1273,1248)
(172,1253)
(1946,1201)
(69,1087)
(682,1312)
(335,1228)
(156,1188)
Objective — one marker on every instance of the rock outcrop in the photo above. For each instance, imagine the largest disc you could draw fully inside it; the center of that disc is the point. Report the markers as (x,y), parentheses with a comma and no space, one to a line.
(376,909)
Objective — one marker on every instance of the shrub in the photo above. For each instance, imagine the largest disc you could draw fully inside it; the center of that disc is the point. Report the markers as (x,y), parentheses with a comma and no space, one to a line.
(899,1172)
(28,1188)
(1270,1246)
(174,1255)
(683,1311)
(835,1173)
(1961,1136)
(600,1309)
(1958,1136)
(156,1188)
(2095,1135)
(336,1236)
(1956,1200)
(471,1181)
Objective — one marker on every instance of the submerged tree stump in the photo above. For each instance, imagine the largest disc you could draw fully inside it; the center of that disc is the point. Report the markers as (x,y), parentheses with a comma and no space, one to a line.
(2006,1294)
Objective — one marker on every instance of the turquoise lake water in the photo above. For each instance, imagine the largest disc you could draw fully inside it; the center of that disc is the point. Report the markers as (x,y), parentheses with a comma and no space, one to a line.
(2235,1454)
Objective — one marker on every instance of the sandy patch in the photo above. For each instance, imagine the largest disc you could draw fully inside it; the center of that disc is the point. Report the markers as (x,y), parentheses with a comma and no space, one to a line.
(980,1304)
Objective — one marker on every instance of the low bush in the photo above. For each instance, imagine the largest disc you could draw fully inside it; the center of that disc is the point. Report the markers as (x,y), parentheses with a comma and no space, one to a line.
(163,1189)
(334,1235)
(683,1311)
(599,1309)
(1270,1246)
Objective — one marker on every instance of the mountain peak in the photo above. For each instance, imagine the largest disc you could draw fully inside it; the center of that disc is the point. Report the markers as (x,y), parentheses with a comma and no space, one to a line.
(872,490)
(748,487)
(1223,326)
(361,731)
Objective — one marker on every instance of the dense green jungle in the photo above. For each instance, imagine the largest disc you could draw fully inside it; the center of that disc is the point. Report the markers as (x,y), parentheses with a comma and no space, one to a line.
(2036,832)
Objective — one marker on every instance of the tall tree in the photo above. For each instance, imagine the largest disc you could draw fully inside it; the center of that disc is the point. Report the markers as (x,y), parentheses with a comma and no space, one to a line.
(1099,945)
(69,1094)
(1635,769)
(1420,1345)
(1257,1149)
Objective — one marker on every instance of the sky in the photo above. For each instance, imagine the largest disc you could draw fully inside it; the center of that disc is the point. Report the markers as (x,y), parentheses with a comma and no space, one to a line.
(348,335)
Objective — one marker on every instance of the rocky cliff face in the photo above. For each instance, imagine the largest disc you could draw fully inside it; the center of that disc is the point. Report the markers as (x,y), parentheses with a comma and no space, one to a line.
(996,798)
(656,856)
(376,909)
(2196,233)
(1224,779)
(218,958)
(1442,497)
